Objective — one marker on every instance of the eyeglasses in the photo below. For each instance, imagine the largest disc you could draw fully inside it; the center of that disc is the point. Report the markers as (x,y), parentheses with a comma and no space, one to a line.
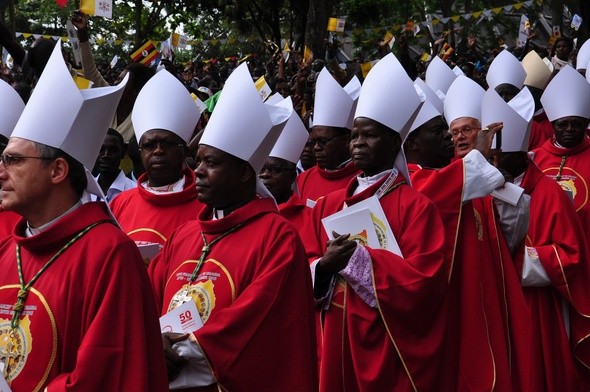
(465,131)
(321,141)
(562,125)
(165,145)
(275,169)
(9,160)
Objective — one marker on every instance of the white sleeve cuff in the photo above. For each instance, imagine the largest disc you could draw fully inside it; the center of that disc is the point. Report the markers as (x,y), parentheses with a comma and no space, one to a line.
(481,178)
(533,272)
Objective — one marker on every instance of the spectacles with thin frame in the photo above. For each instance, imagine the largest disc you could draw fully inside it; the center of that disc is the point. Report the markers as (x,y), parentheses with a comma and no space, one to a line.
(9,160)
(321,141)
(465,131)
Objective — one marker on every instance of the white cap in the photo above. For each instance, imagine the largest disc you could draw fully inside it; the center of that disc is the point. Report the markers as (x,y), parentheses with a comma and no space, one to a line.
(516,116)
(292,140)
(428,110)
(333,104)
(506,69)
(583,56)
(242,125)
(60,115)
(439,76)
(568,94)
(463,100)
(388,97)
(353,89)
(164,103)
(538,72)
(11,108)
(436,99)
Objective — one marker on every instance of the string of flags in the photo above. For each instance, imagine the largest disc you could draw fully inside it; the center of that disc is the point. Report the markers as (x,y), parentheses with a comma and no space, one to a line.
(336,25)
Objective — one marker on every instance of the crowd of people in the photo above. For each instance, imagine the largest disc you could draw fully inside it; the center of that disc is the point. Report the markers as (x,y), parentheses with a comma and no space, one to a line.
(421,228)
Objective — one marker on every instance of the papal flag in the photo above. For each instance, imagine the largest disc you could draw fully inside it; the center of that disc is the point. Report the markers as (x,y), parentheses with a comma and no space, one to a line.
(263,88)
(146,53)
(102,8)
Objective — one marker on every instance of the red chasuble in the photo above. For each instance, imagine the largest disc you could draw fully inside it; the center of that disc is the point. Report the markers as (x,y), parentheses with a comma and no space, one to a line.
(316,182)
(570,167)
(7,221)
(398,345)
(541,131)
(487,335)
(89,322)
(254,296)
(149,217)
(296,211)
(561,247)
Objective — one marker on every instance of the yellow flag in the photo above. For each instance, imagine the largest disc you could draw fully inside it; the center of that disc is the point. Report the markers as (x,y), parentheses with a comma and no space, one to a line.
(307,55)
(263,88)
(82,83)
(365,68)
(102,8)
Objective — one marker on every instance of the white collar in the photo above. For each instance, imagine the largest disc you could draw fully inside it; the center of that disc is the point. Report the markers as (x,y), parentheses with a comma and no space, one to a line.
(31,231)
(365,182)
(175,187)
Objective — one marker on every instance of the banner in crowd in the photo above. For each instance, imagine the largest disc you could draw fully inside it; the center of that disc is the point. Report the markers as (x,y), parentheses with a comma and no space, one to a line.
(102,8)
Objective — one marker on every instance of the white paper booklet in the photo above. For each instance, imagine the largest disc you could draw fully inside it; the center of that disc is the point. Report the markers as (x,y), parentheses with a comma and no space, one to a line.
(510,193)
(4,385)
(366,222)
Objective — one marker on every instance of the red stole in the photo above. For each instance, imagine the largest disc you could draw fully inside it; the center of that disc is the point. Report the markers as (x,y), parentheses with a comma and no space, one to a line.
(296,212)
(541,131)
(8,220)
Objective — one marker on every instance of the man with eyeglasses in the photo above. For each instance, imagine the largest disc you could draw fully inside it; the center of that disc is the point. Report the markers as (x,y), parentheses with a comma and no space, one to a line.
(164,119)
(330,137)
(477,250)
(78,311)
(10,111)
(566,157)
(279,173)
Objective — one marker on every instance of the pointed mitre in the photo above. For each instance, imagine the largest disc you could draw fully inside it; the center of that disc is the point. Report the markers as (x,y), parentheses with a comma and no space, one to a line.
(568,94)
(515,115)
(538,72)
(506,69)
(388,97)
(333,104)
(439,76)
(463,100)
(11,108)
(60,115)
(242,125)
(433,106)
(292,140)
(164,103)
(583,57)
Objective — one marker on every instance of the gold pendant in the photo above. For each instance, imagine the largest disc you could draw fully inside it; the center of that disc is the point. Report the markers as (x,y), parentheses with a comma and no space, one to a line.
(11,350)
(180,297)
